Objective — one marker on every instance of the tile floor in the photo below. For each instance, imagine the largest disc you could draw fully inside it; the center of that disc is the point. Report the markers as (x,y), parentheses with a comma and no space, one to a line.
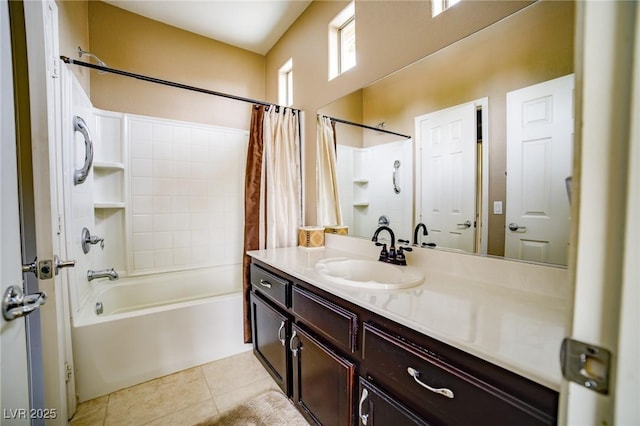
(183,398)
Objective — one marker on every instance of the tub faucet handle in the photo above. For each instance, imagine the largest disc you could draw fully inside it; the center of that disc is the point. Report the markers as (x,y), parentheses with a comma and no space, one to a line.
(88,240)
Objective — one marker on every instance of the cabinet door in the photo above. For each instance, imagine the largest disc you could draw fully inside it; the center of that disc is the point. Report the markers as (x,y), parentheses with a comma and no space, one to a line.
(270,330)
(375,407)
(323,381)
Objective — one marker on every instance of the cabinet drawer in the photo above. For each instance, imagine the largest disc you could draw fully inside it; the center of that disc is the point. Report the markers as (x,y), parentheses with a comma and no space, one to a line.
(333,322)
(272,286)
(438,391)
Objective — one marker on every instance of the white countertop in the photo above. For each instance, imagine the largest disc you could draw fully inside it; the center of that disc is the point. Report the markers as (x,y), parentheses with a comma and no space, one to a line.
(504,323)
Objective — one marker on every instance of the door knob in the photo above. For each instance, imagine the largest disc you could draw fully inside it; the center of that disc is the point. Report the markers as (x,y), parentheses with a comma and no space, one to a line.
(515,227)
(16,304)
(59,264)
(31,267)
(466,224)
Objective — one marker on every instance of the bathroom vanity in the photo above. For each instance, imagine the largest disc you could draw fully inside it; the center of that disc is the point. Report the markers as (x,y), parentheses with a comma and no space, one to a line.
(448,351)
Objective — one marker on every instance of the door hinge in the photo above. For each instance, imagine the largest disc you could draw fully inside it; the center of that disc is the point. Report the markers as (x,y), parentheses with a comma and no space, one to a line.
(55,68)
(68,372)
(585,364)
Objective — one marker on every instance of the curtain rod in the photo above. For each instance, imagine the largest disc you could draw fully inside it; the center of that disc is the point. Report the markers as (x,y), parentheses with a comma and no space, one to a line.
(168,83)
(351,123)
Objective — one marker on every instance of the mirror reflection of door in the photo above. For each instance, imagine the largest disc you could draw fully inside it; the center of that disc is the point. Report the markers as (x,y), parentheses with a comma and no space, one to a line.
(446,150)
(539,152)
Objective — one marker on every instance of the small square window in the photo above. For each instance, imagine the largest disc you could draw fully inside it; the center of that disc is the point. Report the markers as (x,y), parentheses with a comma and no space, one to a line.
(439,6)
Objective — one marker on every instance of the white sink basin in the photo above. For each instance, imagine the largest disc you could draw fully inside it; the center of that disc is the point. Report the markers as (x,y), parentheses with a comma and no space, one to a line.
(369,273)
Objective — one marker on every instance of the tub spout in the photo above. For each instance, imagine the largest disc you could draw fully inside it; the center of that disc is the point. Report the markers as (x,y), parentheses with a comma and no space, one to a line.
(104,273)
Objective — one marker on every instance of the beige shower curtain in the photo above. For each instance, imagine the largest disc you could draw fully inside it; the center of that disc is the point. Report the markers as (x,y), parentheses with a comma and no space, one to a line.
(273,188)
(329,212)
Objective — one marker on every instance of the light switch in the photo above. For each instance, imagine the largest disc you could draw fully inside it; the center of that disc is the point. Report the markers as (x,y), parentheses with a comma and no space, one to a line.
(497,207)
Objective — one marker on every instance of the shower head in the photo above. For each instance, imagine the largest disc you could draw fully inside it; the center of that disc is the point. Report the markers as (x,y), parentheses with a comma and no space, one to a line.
(91,55)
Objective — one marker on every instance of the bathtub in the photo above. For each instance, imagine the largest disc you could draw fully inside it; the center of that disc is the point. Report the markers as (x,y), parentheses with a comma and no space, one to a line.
(155,325)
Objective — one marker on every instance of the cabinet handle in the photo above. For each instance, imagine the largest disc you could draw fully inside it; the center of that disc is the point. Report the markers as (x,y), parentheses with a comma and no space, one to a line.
(442,391)
(280,330)
(363,417)
(293,350)
(265,283)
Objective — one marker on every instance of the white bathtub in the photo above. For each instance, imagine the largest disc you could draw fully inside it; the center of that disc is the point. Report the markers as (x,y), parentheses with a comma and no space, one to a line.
(156,325)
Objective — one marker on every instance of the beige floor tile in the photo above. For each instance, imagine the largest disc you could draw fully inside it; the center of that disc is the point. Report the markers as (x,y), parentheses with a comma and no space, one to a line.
(233,372)
(237,395)
(157,398)
(90,413)
(188,416)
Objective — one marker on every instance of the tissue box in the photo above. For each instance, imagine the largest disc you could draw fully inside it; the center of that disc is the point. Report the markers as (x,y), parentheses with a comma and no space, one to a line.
(311,236)
(337,229)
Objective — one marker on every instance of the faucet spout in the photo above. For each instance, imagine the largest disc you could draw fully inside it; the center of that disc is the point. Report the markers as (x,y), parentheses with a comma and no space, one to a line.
(384,228)
(104,273)
(415,232)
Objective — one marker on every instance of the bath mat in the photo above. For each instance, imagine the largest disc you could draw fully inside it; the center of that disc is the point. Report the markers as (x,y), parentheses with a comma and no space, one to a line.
(271,408)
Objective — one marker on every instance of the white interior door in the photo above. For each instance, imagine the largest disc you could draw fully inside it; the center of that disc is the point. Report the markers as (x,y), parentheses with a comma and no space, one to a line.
(539,150)
(605,262)
(446,193)
(40,21)
(14,393)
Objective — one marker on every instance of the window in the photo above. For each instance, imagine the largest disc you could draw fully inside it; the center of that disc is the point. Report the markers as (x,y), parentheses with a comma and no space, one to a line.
(347,36)
(342,42)
(439,6)
(285,83)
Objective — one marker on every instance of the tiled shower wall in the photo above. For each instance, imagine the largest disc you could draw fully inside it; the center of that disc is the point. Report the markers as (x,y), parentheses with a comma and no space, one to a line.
(365,182)
(186,194)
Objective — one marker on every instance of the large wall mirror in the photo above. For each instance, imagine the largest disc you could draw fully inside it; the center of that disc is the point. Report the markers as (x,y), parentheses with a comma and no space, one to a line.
(508,89)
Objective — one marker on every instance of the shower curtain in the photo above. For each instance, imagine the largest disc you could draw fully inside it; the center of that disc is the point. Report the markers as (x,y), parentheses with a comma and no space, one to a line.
(328,212)
(273,187)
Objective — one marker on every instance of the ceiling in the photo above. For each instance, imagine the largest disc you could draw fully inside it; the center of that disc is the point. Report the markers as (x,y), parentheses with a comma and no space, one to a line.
(254,25)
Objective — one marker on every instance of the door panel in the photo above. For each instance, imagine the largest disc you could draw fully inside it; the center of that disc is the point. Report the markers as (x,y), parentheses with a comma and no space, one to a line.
(377,408)
(539,145)
(270,329)
(447,179)
(14,391)
(323,381)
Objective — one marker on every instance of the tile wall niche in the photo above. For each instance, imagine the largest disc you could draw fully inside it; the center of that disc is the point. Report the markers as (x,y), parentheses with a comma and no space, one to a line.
(186,194)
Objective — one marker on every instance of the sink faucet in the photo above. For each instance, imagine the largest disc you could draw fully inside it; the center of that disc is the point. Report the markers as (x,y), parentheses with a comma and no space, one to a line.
(391,234)
(415,232)
(390,256)
(424,232)
(104,273)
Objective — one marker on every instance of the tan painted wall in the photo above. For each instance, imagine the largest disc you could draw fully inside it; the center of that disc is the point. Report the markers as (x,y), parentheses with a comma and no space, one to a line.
(132,43)
(390,35)
(393,34)
(73,24)
(348,107)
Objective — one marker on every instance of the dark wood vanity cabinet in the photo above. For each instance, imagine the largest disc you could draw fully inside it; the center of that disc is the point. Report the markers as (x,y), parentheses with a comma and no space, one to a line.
(344,365)
(322,380)
(298,337)
(271,333)
(438,391)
